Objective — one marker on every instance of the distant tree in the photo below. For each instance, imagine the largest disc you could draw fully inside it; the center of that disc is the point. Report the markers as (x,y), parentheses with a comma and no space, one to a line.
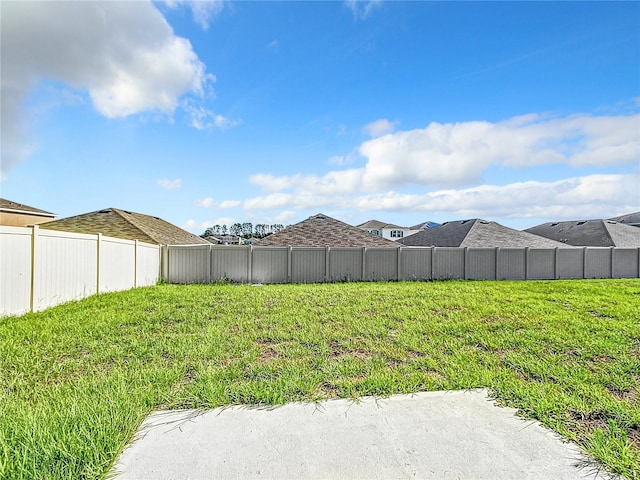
(223,230)
(216,230)
(260,230)
(276,227)
(207,233)
(236,229)
(247,229)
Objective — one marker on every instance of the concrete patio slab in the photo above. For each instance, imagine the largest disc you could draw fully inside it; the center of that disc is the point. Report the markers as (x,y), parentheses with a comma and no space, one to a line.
(431,435)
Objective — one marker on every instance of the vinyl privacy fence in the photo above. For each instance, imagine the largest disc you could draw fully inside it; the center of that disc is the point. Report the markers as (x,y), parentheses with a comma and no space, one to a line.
(206,264)
(41,268)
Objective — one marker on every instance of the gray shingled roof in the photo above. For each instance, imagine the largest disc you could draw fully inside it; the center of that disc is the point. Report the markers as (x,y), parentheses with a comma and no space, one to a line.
(628,219)
(15,207)
(590,233)
(323,231)
(424,225)
(113,222)
(477,233)
(377,225)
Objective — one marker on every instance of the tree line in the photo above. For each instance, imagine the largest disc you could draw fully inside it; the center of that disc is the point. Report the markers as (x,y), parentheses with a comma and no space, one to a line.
(245,230)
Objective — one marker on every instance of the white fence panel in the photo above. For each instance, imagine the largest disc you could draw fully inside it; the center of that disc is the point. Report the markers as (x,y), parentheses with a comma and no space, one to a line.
(230,263)
(597,262)
(381,264)
(448,263)
(40,268)
(66,268)
(270,265)
(308,264)
(625,263)
(345,264)
(117,265)
(415,263)
(570,263)
(541,263)
(15,271)
(147,264)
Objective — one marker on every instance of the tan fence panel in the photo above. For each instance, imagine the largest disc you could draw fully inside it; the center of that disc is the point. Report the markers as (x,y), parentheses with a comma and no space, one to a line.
(541,264)
(597,262)
(570,263)
(625,263)
(270,265)
(481,264)
(230,264)
(308,264)
(381,264)
(345,264)
(415,263)
(448,263)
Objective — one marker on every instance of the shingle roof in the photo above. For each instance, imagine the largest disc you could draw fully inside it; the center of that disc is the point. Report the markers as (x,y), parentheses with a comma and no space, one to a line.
(15,207)
(628,219)
(323,231)
(117,223)
(476,233)
(590,233)
(424,225)
(377,225)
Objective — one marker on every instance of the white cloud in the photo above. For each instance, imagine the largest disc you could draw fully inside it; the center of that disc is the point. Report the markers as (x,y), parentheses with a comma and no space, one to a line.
(379,127)
(123,54)
(202,118)
(592,195)
(337,160)
(211,203)
(203,11)
(457,155)
(170,184)
(361,9)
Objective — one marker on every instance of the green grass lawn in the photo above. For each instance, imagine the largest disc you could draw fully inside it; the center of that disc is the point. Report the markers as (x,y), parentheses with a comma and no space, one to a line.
(77,380)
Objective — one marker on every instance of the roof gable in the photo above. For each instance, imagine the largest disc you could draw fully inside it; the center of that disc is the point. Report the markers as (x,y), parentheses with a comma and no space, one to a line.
(118,223)
(590,233)
(323,231)
(15,207)
(583,233)
(477,233)
(449,234)
(628,219)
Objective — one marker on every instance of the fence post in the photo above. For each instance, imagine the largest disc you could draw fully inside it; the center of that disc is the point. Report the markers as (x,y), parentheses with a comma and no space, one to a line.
(327,265)
(555,264)
(98,243)
(465,261)
(289,248)
(495,264)
(209,264)
(399,264)
(34,233)
(249,266)
(584,262)
(526,263)
(611,255)
(364,264)
(433,257)
(135,264)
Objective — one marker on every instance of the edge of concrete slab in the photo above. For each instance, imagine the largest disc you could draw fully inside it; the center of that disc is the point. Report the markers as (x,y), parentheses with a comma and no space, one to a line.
(444,434)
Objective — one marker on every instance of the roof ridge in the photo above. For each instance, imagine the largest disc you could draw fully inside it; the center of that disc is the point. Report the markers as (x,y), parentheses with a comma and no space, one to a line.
(135,224)
(473,227)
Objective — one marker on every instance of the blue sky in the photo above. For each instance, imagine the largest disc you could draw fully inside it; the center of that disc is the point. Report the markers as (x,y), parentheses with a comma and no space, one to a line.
(208,113)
